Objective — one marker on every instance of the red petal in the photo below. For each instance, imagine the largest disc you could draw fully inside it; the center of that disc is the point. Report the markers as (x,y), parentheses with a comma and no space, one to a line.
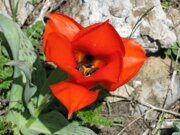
(98,39)
(109,72)
(59,51)
(73,96)
(132,62)
(65,25)
(61,24)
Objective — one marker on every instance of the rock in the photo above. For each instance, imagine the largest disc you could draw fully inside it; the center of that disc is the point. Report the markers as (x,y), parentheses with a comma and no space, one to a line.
(174,15)
(47,6)
(156,87)
(124,91)
(153,33)
(24,9)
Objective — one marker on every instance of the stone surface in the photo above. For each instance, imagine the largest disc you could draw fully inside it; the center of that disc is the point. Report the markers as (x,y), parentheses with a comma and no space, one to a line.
(157,87)
(154,31)
(124,91)
(174,15)
(24,9)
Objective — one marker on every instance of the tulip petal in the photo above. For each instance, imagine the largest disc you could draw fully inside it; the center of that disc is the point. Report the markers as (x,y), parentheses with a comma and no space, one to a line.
(59,51)
(73,96)
(98,39)
(48,29)
(109,72)
(65,25)
(61,24)
(132,62)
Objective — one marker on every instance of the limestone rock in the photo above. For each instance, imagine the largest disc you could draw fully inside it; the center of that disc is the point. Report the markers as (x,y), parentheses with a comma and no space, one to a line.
(157,87)
(24,9)
(174,15)
(124,91)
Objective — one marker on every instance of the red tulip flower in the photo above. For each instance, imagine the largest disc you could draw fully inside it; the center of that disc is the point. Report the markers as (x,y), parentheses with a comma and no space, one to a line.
(90,55)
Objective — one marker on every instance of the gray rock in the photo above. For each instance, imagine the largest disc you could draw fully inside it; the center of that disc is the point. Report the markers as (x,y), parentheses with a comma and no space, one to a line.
(153,33)
(174,15)
(24,9)
(157,87)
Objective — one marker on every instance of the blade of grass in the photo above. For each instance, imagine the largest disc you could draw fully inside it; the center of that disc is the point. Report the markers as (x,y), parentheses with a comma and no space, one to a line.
(14,9)
(139,21)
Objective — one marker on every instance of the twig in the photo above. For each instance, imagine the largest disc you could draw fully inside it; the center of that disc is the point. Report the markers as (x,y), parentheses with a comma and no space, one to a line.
(109,108)
(159,109)
(129,125)
(175,71)
(148,105)
(132,122)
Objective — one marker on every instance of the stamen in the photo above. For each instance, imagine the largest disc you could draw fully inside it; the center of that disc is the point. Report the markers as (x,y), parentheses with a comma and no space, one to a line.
(87,64)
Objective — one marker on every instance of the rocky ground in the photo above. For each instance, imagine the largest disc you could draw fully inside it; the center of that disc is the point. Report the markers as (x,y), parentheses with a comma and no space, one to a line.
(142,104)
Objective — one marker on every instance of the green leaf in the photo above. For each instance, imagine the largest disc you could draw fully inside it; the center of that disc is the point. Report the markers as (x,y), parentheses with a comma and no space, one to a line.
(5,72)
(175,51)
(9,28)
(47,123)
(16,118)
(19,121)
(34,32)
(168,52)
(176,133)
(139,21)
(93,117)
(56,76)
(26,131)
(55,123)
(74,129)
(177,126)
(30,89)
(23,67)
(21,49)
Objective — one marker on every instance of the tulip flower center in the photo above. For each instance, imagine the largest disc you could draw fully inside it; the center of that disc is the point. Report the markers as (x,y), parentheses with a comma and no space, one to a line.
(88,64)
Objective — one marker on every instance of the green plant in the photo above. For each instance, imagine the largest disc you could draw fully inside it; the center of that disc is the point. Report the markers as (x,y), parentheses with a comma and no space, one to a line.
(139,21)
(34,32)
(94,118)
(165,4)
(5,126)
(177,128)
(174,52)
(30,93)
(5,72)
(34,2)
(14,8)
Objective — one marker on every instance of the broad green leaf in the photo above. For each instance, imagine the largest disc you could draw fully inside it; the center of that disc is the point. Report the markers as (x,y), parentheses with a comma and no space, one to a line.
(9,28)
(16,118)
(175,51)
(55,123)
(30,89)
(177,126)
(26,131)
(38,74)
(19,122)
(74,129)
(21,49)
(23,67)
(168,52)
(176,133)
(47,123)
(56,76)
